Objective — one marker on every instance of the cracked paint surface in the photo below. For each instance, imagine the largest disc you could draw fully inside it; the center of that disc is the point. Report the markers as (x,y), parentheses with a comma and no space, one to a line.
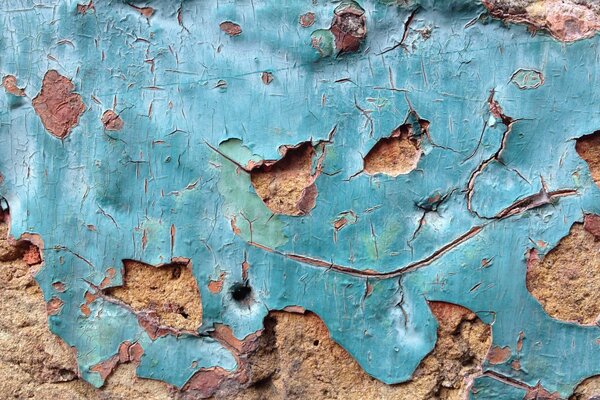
(165,175)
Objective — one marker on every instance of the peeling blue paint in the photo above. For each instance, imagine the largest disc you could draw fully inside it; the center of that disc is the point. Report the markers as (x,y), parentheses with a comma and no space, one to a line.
(182,84)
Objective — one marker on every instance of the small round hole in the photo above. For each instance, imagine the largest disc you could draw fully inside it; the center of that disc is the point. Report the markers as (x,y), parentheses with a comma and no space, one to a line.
(241,292)
(316,343)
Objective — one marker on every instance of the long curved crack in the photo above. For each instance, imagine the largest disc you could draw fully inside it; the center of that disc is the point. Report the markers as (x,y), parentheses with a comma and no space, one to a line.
(540,199)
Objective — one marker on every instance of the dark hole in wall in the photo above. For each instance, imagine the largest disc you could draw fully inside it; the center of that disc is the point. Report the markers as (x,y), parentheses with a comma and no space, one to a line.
(241,292)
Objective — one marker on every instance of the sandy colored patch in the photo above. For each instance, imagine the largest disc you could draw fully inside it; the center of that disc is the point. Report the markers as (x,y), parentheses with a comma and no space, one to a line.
(287,186)
(170,292)
(588,148)
(394,155)
(567,280)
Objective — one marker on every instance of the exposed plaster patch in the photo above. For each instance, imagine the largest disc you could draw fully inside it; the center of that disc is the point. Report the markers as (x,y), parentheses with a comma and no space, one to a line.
(207,382)
(128,352)
(395,155)
(287,186)
(230,28)
(349,26)
(566,280)
(266,77)
(11,249)
(112,121)
(347,31)
(296,359)
(215,286)
(35,363)
(499,355)
(29,216)
(589,389)
(166,294)
(54,306)
(588,148)
(566,21)
(10,86)
(57,106)
(307,19)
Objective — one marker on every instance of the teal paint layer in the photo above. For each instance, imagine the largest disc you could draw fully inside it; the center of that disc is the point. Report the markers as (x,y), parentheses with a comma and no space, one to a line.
(186,88)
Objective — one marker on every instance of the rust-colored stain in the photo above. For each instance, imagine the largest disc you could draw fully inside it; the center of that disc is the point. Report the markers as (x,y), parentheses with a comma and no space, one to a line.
(307,19)
(57,106)
(217,285)
(349,26)
(499,355)
(54,306)
(266,77)
(230,28)
(112,121)
(10,86)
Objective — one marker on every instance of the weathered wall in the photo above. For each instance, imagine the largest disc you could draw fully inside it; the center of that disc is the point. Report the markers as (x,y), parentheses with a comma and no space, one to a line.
(295,358)
(308,199)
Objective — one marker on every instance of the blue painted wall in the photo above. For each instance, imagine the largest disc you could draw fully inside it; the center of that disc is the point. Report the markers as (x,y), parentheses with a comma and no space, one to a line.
(165,76)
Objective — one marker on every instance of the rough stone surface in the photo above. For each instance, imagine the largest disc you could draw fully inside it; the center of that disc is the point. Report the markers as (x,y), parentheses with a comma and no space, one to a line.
(287,186)
(567,281)
(394,155)
(169,292)
(588,147)
(589,389)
